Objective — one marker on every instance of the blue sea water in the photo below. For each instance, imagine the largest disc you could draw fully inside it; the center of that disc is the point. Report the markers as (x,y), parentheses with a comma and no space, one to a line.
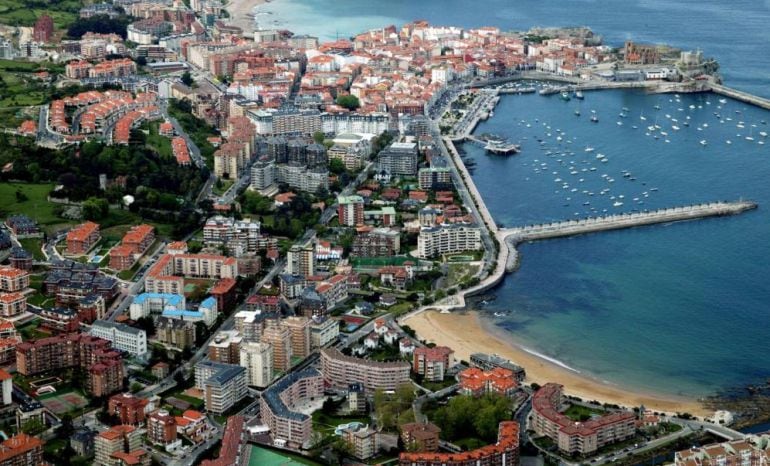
(680,308)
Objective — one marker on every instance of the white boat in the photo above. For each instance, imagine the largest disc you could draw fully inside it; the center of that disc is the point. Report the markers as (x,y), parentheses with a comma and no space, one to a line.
(617,204)
(589,149)
(723,101)
(703,142)
(675,128)
(763,134)
(728,142)
(620,123)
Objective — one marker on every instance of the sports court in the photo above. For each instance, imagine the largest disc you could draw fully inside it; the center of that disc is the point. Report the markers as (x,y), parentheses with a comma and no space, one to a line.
(60,403)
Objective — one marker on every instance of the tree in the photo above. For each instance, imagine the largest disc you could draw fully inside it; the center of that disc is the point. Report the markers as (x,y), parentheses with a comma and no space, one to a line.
(336,166)
(33,426)
(319,137)
(95,208)
(187,79)
(141,61)
(348,101)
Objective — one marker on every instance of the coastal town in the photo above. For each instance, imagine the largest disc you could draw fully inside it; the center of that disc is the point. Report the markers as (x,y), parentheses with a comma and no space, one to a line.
(247,246)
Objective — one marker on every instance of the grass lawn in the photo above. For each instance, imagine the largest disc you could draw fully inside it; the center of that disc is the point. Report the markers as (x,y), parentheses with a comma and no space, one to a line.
(33,246)
(36,205)
(129,273)
(161,144)
(196,403)
(469,443)
(400,308)
(457,273)
(582,413)
(222,187)
(18,13)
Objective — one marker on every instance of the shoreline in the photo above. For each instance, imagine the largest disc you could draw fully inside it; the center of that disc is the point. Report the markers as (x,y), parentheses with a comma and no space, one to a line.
(466,333)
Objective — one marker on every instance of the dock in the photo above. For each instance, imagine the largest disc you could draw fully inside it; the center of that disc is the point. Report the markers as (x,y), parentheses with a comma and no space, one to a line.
(493,146)
(740,95)
(513,236)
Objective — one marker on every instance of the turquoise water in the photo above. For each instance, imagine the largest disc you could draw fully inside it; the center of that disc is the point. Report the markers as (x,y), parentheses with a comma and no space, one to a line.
(679,308)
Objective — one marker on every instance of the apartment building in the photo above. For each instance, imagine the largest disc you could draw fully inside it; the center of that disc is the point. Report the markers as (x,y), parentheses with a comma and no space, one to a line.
(379,242)
(435,178)
(420,436)
(299,334)
(503,453)
(300,260)
(577,437)
(432,363)
(128,408)
(226,347)
(133,245)
(177,333)
(278,337)
(161,427)
(278,402)
(82,238)
(350,210)
(257,358)
(146,304)
(752,452)
(323,331)
(166,276)
(118,444)
(363,440)
(223,231)
(103,365)
(123,337)
(400,158)
(12,304)
(448,239)
(21,450)
(12,279)
(339,370)
(475,382)
(223,385)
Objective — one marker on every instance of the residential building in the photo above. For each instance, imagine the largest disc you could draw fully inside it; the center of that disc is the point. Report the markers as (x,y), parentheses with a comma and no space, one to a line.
(263,175)
(505,452)
(12,279)
(435,178)
(174,332)
(6,387)
(119,443)
(475,382)
(82,441)
(448,239)
(146,304)
(339,370)
(12,304)
(257,358)
(133,245)
(60,319)
(300,260)
(432,363)
(166,276)
(123,337)
(751,452)
(278,337)
(128,408)
(299,334)
(379,242)
(82,238)
(350,210)
(363,440)
(278,403)
(488,362)
(356,398)
(577,437)
(323,331)
(222,231)
(21,450)
(420,436)
(223,385)
(302,178)
(400,158)
(161,427)
(226,347)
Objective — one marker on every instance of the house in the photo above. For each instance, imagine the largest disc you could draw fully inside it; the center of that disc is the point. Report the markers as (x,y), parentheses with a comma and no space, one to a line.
(372,340)
(405,346)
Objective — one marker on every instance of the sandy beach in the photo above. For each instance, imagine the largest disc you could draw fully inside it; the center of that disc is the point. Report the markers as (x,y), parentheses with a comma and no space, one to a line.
(464,333)
(239,11)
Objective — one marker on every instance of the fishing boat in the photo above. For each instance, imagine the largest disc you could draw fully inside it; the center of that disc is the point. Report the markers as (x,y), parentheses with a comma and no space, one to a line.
(565,96)
(594,119)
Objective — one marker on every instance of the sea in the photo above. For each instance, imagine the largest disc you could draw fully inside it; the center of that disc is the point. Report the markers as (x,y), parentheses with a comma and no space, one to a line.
(677,309)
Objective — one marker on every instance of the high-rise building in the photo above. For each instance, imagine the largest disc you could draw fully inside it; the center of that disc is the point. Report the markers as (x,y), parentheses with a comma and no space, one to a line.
(400,158)
(226,347)
(257,358)
(300,260)
(119,443)
(223,385)
(432,363)
(161,427)
(21,450)
(128,408)
(350,210)
(299,333)
(279,338)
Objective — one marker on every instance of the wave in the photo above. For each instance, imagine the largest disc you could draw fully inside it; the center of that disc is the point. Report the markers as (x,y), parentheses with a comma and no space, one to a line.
(550,359)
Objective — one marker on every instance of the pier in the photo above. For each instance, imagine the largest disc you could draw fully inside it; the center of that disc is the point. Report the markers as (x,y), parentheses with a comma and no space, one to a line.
(625,220)
(494,147)
(740,95)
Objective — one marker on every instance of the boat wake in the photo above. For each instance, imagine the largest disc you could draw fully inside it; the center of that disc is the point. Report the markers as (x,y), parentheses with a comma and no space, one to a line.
(550,359)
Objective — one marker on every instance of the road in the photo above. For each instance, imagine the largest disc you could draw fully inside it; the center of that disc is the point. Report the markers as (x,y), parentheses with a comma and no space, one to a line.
(195,152)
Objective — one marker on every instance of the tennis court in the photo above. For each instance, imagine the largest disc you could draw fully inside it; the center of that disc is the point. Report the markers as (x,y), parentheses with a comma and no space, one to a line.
(264,457)
(60,403)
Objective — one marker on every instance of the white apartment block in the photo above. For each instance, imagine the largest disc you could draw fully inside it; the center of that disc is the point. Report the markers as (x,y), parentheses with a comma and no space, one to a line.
(448,239)
(257,358)
(124,338)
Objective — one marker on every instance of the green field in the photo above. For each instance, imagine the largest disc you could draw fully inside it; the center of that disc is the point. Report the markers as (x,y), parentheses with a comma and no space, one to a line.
(582,413)
(19,13)
(381,261)
(161,144)
(36,205)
